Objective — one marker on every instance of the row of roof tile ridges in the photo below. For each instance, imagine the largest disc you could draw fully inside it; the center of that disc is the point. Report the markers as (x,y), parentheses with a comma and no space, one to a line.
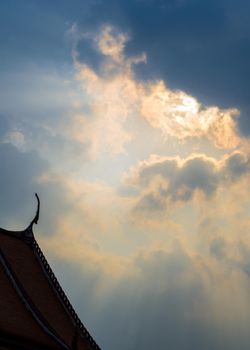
(62,295)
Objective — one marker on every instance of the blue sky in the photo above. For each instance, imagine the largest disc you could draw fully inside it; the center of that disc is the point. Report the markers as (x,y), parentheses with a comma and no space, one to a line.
(131,121)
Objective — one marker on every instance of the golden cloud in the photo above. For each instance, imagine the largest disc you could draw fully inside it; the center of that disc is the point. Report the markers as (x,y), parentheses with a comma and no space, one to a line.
(114,95)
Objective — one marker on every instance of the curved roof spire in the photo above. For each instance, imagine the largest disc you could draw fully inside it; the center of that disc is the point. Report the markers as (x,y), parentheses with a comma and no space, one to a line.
(28,233)
(36,218)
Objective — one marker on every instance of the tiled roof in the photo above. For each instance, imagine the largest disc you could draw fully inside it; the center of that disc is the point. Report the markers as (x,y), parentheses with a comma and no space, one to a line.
(33,305)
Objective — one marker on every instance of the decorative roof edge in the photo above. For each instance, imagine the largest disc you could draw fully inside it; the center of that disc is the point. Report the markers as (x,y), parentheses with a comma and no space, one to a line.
(29,304)
(65,301)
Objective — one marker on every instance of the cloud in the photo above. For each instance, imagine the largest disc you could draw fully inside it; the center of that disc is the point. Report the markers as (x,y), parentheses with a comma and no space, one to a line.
(110,94)
(185,290)
(180,115)
(160,180)
(183,48)
(132,285)
(171,293)
(111,44)
(113,96)
(169,297)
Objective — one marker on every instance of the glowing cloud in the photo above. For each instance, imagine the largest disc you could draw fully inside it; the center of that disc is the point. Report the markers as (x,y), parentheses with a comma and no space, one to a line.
(114,95)
(180,115)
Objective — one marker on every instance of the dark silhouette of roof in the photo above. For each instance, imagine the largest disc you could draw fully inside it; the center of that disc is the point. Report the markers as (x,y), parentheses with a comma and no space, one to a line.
(35,313)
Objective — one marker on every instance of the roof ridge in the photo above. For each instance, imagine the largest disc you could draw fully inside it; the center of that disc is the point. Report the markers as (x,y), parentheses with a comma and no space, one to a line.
(62,295)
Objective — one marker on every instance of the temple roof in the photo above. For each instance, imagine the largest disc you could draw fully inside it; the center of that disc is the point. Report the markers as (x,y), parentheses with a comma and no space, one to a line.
(35,311)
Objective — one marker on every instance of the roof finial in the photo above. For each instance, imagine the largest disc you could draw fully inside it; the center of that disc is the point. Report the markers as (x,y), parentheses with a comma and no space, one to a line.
(36,218)
(28,233)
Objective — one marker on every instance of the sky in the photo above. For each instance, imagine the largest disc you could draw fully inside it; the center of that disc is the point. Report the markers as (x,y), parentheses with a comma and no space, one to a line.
(131,121)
